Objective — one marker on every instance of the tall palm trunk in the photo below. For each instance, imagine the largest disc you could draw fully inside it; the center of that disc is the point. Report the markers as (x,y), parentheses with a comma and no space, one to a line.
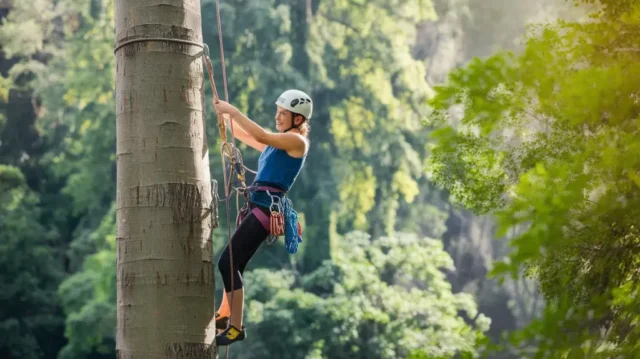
(165,279)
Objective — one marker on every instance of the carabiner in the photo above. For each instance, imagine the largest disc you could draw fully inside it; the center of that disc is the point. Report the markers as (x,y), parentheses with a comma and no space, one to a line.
(275,205)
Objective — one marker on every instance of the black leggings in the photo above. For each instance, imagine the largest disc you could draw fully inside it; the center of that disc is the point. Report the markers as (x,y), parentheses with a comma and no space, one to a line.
(245,241)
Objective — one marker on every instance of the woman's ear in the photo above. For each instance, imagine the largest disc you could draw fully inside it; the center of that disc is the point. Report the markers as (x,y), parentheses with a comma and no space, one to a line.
(298,120)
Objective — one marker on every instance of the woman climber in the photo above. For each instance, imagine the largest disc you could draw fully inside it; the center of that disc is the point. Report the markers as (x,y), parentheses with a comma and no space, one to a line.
(283,156)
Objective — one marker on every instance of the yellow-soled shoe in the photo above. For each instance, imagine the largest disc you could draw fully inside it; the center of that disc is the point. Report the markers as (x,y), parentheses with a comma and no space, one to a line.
(230,335)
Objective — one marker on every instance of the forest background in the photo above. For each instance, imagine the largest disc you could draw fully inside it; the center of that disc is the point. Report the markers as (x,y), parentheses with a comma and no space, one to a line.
(471,180)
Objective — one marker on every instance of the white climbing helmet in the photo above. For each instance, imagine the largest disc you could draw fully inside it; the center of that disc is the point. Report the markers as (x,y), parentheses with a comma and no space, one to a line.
(296,101)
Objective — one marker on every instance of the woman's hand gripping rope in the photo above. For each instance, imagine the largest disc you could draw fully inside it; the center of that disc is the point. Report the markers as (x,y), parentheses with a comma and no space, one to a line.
(221,125)
(227,148)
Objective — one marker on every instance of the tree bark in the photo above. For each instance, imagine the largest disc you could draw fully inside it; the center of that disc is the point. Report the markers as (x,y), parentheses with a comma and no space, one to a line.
(165,278)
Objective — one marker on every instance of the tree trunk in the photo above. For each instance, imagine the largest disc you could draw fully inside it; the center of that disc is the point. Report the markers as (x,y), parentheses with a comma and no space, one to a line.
(165,278)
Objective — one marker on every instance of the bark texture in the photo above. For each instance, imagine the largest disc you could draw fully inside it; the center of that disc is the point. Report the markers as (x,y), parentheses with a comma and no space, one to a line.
(165,278)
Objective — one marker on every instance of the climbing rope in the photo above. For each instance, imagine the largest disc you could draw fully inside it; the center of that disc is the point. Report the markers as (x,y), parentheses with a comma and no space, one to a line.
(227,150)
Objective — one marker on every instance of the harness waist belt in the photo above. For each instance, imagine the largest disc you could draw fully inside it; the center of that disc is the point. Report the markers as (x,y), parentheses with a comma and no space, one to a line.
(266,221)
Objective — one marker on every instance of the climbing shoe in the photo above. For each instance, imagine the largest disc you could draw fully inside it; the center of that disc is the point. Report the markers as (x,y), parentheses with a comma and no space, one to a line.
(221,322)
(230,335)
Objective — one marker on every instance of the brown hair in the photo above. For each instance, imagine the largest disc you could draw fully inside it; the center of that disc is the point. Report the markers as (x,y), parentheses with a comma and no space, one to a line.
(305,128)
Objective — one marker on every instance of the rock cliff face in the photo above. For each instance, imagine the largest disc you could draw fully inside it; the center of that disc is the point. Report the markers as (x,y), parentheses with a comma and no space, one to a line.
(466,29)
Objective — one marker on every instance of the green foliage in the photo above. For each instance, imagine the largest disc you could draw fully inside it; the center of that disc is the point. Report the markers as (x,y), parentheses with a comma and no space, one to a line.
(78,105)
(382,298)
(29,272)
(75,87)
(365,53)
(365,171)
(31,249)
(548,140)
(89,298)
(27,35)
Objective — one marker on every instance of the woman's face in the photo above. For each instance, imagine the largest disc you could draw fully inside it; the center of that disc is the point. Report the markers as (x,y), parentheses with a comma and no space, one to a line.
(283,119)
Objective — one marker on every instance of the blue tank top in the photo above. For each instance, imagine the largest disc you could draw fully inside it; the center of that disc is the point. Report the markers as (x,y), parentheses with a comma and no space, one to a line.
(277,168)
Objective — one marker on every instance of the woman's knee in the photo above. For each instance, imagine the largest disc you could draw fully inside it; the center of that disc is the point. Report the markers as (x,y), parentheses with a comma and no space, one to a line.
(231,278)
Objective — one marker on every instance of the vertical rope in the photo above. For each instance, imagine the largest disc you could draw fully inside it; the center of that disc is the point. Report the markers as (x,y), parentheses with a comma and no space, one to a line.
(227,184)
